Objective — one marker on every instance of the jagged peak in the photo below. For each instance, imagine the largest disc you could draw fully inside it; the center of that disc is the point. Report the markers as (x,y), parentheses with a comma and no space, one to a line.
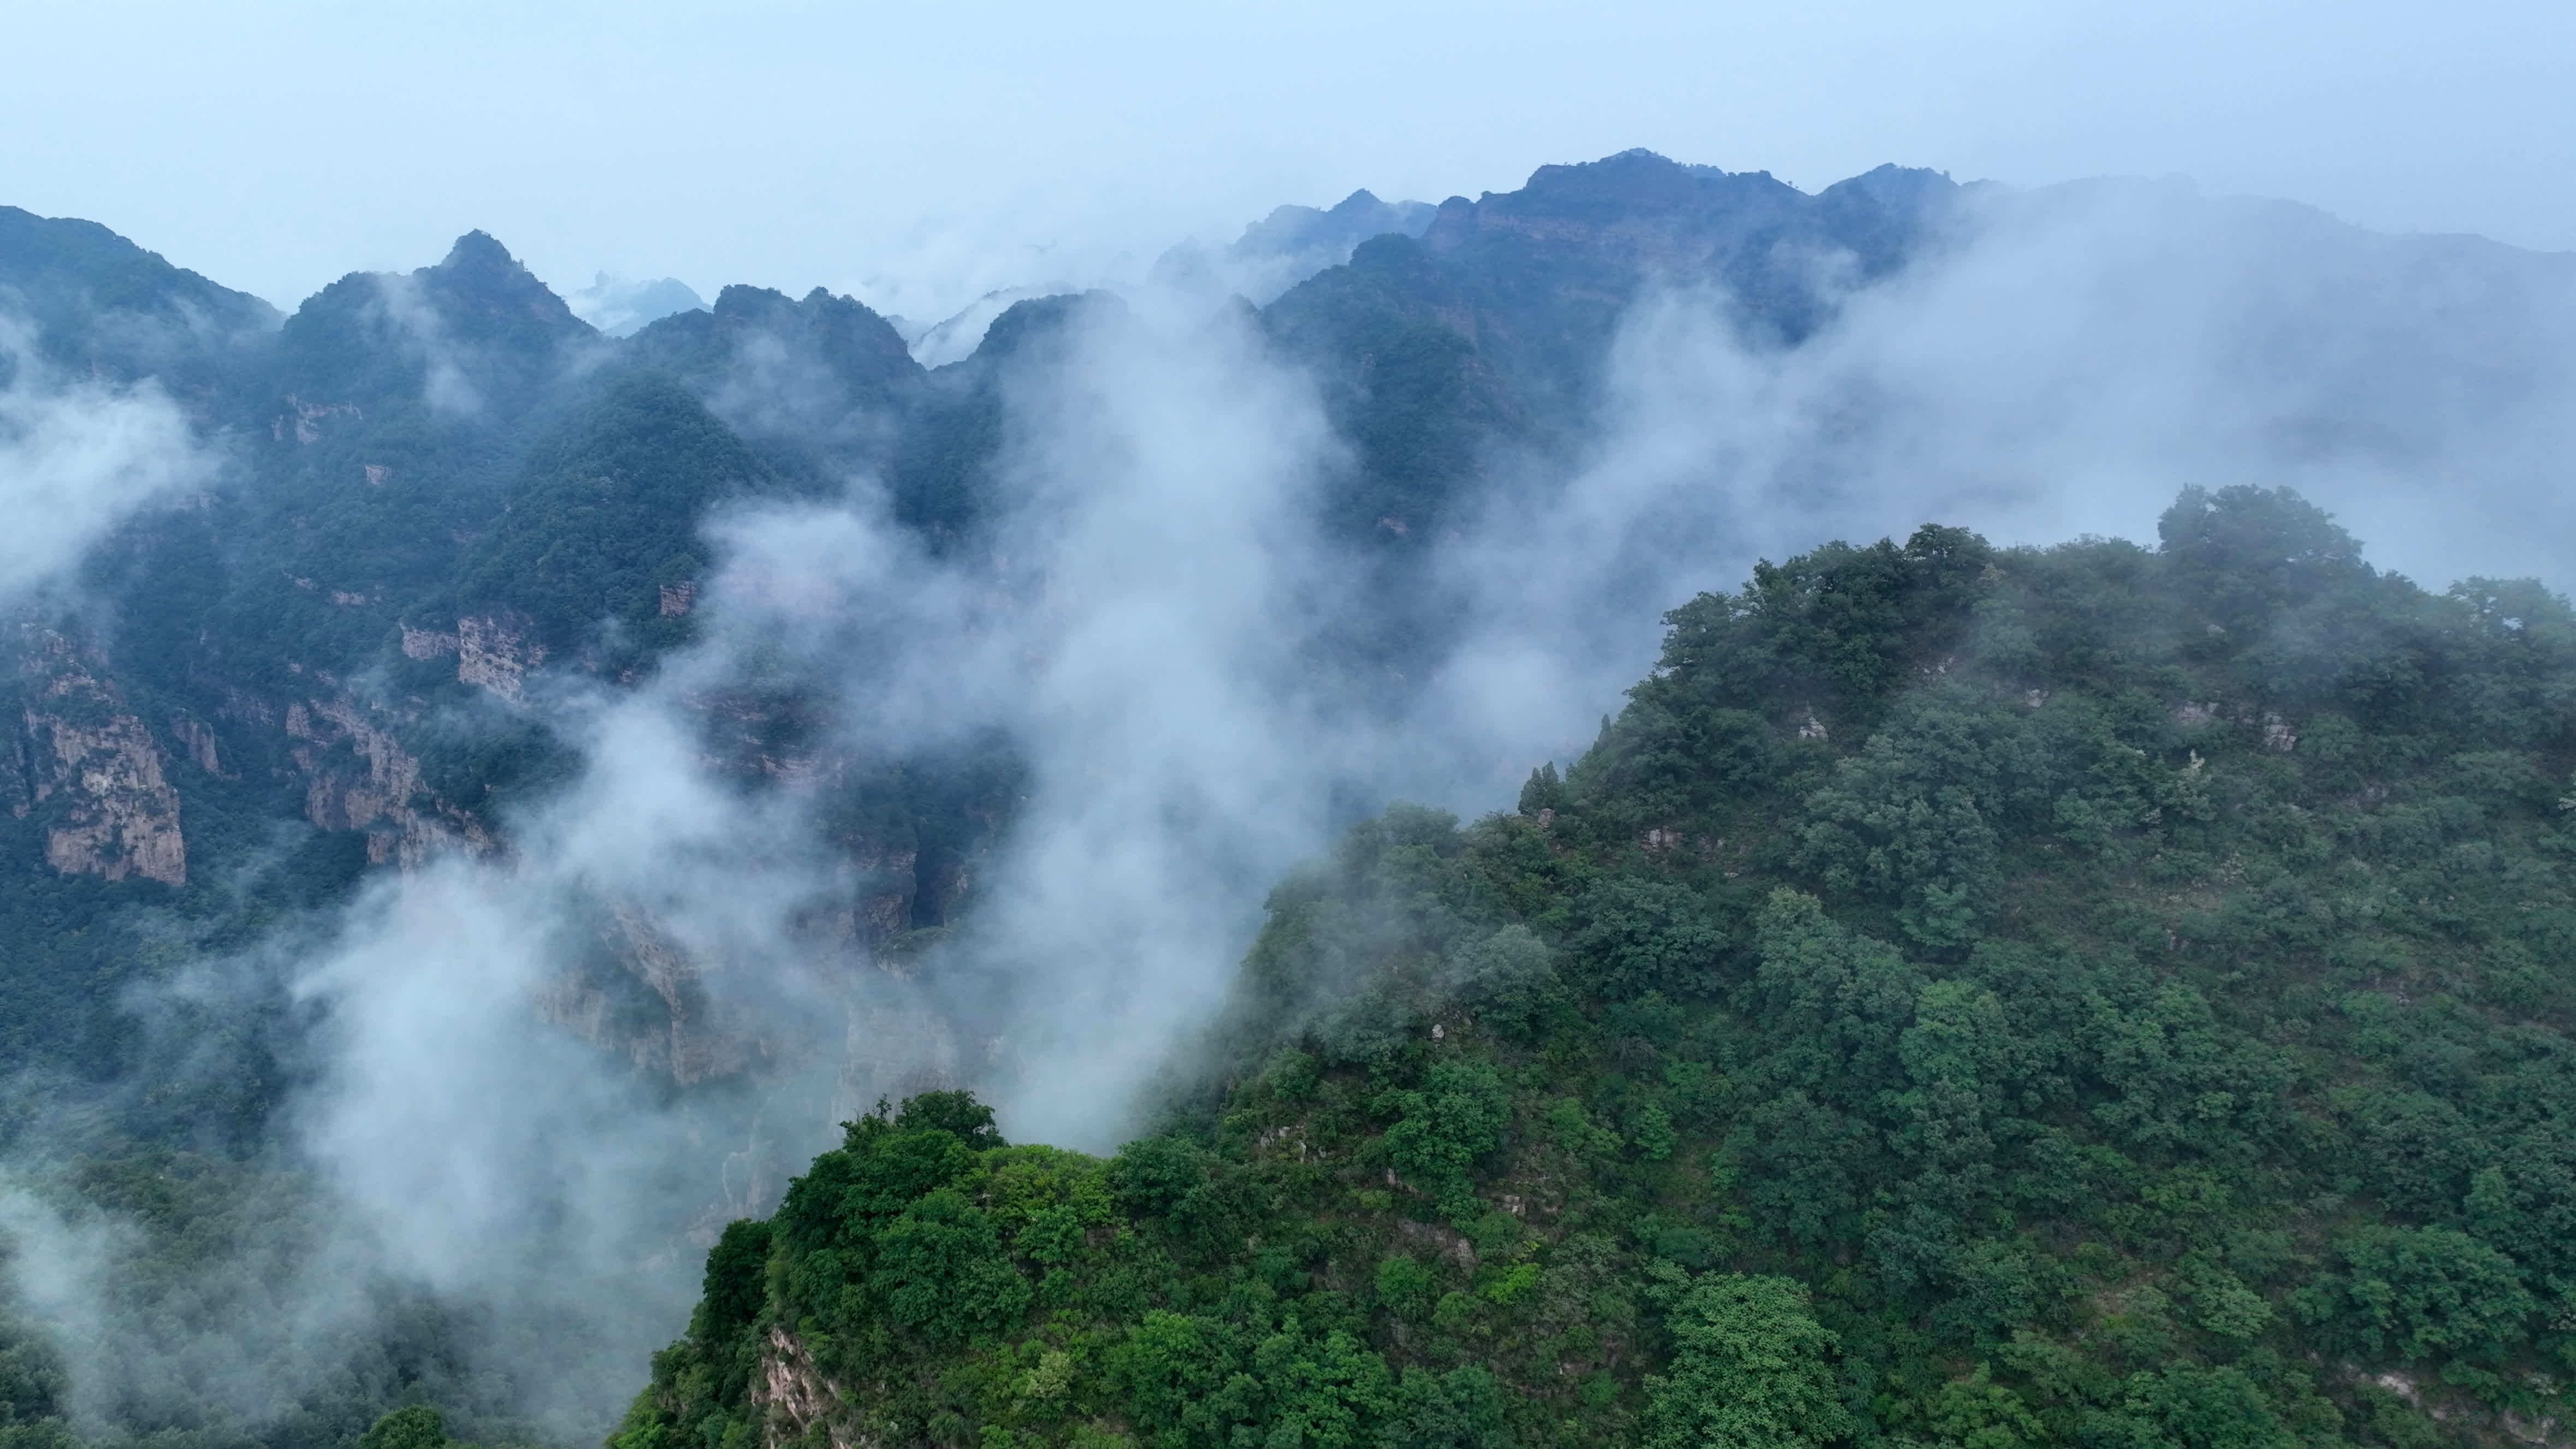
(480,275)
(747,302)
(480,251)
(1031,318)
(1888,177)
(1636,171)
(742,299)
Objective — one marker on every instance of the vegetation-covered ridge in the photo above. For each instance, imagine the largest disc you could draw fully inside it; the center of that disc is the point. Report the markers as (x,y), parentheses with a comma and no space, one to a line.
(2090,995)
(437,508)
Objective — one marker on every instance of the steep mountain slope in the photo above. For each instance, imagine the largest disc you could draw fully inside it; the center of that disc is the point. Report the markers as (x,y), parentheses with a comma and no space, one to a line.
(101,306)
(823,382)
(443,482)
(2091,995)
(476,331)
(1495,325)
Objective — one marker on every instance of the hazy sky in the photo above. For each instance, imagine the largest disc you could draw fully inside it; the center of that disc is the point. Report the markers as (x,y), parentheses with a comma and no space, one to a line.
(916,154)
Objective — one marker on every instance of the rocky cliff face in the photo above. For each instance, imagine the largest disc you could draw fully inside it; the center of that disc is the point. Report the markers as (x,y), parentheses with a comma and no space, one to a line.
(665,1028)
(109,791)
(358,776)
(497,652)
(889,871)
(104,794)
(797,1402)
(90,763)
(494,652)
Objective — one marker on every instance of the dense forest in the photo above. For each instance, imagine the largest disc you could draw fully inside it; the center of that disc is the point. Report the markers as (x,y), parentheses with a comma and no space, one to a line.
(2092,995)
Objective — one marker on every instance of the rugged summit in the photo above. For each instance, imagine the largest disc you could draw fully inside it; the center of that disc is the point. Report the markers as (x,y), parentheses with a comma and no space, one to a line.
(1496,323)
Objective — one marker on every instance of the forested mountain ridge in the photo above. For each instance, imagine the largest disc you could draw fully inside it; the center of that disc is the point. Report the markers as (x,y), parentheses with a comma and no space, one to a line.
(101,306)
(1495,325)
(424,507)
(435,487)
(431,486)
(2092,995)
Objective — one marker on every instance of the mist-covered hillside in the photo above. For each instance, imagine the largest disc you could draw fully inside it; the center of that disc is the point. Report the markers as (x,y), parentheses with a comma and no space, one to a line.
(487,797)
(2086,995)
(423,495)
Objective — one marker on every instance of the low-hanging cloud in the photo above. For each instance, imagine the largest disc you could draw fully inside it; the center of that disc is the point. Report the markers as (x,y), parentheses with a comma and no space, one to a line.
(1163,478)
(77,457)
(490,1130)
(2063,363)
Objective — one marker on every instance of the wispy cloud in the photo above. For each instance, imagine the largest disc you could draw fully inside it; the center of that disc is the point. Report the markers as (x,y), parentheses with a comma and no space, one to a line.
(77,457)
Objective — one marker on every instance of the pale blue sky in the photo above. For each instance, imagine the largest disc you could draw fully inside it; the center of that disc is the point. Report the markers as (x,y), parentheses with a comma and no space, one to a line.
(917,154)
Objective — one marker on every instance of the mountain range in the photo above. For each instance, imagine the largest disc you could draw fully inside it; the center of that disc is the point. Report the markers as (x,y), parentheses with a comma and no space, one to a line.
(431,486)
(1971,992)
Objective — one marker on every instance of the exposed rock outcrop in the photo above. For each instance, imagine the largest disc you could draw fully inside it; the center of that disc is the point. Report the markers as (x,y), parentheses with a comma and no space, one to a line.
(303,420)
(666,1032)
(796,1399)
(357,776)
(885,902)
(494,652)
(198,739)
(427,643)
(92,759)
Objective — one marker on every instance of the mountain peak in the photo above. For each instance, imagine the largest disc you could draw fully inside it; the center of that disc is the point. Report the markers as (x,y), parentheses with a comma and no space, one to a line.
(479,251)
(480,288)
